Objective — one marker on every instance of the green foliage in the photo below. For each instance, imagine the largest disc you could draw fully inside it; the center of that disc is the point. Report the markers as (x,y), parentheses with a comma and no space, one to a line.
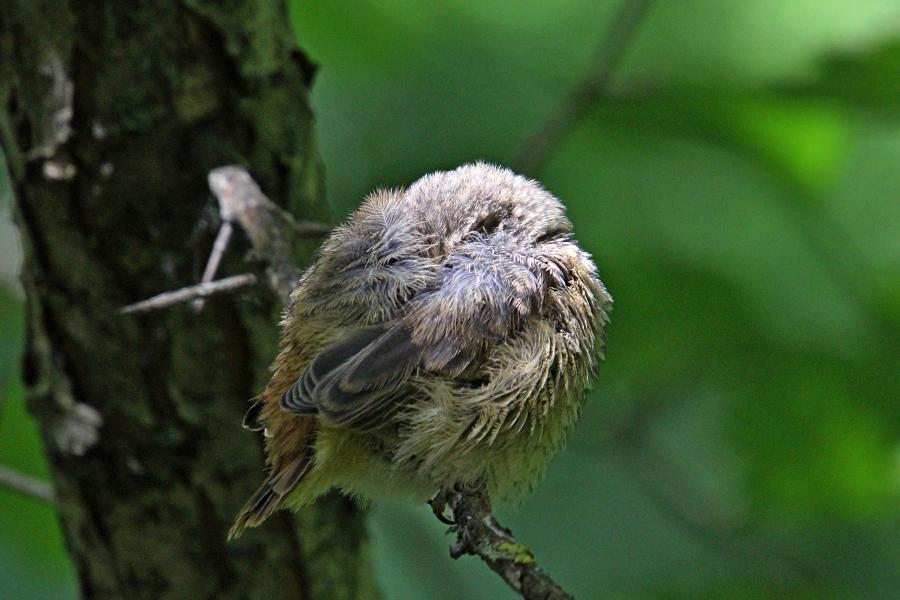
(740,191)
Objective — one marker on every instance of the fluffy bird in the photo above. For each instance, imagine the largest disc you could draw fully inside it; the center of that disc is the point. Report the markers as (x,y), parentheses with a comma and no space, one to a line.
(445,336)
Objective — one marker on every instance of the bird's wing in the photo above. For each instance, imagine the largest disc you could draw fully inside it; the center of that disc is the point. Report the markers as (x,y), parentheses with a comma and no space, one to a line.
(356,382)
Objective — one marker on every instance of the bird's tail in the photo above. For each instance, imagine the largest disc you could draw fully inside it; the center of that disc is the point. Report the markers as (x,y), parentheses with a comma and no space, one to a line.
(270,495)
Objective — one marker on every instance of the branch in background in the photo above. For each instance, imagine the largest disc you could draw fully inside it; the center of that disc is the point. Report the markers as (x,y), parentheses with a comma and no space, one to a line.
(29,487)
(539,146)
(194,292)
(478,533)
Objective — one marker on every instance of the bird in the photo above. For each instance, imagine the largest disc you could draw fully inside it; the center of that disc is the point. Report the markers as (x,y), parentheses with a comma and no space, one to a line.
(446,335)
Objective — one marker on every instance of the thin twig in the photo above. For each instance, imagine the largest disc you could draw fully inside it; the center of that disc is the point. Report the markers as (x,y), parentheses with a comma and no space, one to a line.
(26,485)
(202,290)
(215,257)
(311,228)
(539,146)
(478,533)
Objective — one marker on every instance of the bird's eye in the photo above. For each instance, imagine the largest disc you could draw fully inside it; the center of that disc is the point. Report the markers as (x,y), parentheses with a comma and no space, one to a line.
(488,224)
(553,232)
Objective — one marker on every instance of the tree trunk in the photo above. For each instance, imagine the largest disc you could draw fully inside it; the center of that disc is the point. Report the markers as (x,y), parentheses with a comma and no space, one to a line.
(112,114)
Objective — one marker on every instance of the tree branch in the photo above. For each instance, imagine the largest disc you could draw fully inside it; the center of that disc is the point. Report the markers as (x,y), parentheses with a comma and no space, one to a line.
(540,145)
(269,228)
(27,486)
(478,533)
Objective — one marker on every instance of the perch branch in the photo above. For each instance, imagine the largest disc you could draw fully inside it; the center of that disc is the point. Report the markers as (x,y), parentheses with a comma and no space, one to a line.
(25,485)
(540,145)
(478,533)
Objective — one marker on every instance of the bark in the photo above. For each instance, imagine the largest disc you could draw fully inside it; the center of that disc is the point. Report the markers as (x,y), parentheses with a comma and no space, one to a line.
(111,116)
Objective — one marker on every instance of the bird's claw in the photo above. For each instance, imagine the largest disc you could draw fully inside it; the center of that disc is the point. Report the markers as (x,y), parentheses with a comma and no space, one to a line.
(438,506)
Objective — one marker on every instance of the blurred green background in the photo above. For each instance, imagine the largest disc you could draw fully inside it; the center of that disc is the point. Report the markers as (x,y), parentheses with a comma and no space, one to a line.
(739,188)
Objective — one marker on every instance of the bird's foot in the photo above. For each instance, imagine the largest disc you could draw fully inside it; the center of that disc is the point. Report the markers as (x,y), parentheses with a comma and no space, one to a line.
(439,505)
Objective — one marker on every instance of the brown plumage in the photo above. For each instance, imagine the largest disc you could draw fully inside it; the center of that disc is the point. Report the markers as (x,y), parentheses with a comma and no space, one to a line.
(445,335)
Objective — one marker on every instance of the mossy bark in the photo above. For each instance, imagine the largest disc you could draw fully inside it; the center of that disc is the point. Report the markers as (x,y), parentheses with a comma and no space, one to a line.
(112,114)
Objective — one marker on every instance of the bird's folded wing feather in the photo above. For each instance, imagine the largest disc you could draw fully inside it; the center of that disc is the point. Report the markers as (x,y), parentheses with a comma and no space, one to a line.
(356,382)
